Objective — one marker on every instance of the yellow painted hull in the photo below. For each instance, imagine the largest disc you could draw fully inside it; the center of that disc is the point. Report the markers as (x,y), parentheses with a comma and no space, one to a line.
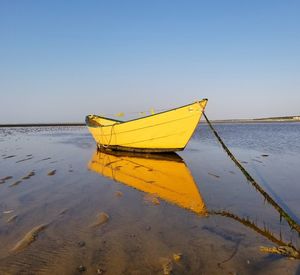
(161,132)
(164,176)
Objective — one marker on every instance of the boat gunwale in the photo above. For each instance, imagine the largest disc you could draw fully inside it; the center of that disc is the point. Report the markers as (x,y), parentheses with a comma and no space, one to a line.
(122,122)
(87,119)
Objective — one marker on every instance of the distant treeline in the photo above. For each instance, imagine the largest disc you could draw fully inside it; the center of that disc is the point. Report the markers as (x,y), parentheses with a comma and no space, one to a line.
(280,118)
(258,120)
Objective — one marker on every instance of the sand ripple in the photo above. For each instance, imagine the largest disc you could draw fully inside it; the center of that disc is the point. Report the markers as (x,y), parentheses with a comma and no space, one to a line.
(29,238)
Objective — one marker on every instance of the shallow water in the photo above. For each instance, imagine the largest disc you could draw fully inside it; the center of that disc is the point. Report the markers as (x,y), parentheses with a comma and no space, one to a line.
(66,209)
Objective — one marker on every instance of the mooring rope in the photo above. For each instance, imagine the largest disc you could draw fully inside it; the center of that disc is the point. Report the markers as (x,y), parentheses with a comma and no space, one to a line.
(110,138)
(282,212)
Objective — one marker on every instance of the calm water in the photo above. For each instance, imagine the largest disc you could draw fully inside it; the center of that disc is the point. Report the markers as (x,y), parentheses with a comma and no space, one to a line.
(66,209)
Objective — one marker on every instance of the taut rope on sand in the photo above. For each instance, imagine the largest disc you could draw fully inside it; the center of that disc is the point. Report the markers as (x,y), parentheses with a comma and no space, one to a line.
(293,224)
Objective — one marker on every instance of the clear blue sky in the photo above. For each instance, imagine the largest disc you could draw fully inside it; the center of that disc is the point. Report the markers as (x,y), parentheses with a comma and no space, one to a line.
(61,60)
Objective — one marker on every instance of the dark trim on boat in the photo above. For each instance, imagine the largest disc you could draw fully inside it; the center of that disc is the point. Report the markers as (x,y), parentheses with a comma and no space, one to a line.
(108,118)
(120,121)
(138,150)
(169,156)
(94,124)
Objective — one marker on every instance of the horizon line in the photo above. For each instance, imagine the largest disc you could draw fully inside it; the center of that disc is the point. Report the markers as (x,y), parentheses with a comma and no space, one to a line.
(295,118)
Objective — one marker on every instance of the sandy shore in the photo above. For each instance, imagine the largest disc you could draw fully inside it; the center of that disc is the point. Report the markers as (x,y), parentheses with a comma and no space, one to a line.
(59,216)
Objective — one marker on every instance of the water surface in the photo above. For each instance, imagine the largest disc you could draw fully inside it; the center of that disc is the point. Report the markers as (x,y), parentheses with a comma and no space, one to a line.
(66,209)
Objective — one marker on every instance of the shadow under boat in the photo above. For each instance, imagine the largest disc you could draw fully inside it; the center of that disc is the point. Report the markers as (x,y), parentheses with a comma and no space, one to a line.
(164,175)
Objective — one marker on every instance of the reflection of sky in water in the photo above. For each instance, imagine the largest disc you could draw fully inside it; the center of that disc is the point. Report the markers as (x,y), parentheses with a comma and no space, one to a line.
(266,137)
(277,173)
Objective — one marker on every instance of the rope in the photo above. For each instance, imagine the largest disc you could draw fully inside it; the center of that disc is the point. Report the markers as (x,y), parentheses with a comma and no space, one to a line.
(110,138)
(293,224)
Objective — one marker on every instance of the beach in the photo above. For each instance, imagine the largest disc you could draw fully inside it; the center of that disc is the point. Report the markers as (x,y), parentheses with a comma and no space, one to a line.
(66,208)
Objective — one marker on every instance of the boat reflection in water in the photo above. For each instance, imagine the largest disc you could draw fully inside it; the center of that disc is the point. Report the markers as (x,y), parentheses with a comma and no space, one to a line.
(163,175)
(167,177)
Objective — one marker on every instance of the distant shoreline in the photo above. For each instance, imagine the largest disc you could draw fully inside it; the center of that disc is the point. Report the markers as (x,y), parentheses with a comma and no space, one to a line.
(253,121)
(229,121)
(40,125)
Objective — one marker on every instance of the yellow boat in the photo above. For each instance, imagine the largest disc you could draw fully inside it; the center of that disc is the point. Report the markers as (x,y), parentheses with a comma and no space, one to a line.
(165,176)
(162,132)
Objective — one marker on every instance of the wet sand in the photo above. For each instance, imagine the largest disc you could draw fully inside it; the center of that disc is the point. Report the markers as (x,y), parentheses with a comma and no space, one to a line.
(59,216)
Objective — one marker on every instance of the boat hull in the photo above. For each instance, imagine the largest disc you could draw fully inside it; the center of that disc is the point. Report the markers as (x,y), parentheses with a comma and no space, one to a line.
(163,132)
